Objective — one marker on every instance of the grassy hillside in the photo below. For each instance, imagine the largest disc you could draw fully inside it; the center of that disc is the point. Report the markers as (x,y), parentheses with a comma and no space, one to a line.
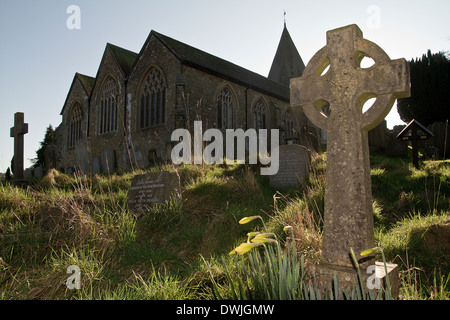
(63,220)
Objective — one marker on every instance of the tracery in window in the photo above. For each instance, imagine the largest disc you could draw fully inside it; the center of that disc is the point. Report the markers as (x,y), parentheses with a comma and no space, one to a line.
(289,129)
(225,109)
(153,100)
(259,115)
(75,125)
(109,106)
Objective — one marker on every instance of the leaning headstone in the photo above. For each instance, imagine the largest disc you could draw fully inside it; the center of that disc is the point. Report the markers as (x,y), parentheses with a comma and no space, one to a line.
(17,132)
(294,164)
(153,188)
(348,216)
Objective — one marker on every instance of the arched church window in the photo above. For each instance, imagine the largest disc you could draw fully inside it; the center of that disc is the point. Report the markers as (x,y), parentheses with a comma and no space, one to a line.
(289,129)
(259,115)
(109,106)
(75,123)
(153,100)
(225,109)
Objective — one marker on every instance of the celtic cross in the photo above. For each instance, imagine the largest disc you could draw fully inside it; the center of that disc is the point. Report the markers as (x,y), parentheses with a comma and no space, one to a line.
(345,87)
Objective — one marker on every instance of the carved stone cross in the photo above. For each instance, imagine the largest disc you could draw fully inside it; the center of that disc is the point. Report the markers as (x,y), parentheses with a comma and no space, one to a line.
(20,128)
(345,87)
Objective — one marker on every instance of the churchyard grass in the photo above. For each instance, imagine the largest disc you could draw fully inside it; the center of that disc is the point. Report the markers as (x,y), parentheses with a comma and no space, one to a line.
(125,256)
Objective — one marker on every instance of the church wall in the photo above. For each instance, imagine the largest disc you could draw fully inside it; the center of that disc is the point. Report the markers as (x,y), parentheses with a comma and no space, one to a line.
(104,148)
(67,158)
(133,147)
(206,86)
(150,144)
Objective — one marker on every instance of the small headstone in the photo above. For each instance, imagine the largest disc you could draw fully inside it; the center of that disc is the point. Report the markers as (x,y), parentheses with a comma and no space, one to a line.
(153,188)
(294,164)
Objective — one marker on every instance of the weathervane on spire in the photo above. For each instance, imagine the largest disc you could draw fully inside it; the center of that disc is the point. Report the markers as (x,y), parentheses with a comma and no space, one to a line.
(285,18)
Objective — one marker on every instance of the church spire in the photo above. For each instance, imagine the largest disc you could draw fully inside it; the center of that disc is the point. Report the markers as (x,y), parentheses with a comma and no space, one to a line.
(287,62)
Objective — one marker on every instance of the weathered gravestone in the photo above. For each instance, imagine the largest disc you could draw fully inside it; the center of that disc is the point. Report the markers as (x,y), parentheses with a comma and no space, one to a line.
(153,188)
(17,132)
(294,164)
(345,87)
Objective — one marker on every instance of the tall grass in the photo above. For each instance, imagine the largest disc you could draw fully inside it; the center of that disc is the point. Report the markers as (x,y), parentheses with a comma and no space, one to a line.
(62,220)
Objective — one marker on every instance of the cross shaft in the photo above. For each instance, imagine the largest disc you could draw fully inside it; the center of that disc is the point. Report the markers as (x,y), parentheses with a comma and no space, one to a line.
(17,132)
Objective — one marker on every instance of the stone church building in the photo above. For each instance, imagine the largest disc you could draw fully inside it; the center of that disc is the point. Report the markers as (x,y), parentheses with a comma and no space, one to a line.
(124,117)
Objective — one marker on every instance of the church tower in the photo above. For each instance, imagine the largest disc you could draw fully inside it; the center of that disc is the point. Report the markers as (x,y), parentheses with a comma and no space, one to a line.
(287,63)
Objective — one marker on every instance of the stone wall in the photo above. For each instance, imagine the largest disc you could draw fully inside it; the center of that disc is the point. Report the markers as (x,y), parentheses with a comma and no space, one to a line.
(65,156)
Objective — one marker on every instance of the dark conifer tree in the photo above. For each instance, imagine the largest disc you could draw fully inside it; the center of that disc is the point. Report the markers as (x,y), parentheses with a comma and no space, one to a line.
(430,90)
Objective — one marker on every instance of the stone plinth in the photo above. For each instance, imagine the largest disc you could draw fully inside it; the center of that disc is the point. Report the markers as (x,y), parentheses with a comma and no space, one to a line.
(373,278)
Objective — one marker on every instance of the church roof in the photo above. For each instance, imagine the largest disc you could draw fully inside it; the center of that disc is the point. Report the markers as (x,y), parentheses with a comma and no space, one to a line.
(206,62)
(125,58)
(287,62)
(87,83)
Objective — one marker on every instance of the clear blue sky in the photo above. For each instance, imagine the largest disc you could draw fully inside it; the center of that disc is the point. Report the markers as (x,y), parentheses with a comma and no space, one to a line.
(39,55)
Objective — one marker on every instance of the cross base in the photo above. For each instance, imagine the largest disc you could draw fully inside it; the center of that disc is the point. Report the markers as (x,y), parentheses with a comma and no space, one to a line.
(348,279)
